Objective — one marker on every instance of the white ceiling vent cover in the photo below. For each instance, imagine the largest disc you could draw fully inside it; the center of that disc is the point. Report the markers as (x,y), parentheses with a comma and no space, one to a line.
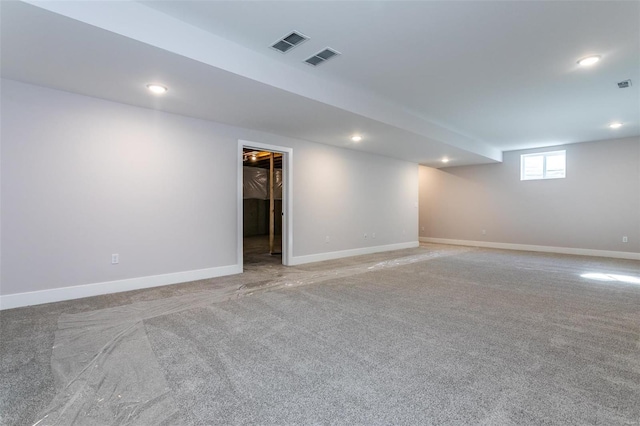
(289,41)
(322,56)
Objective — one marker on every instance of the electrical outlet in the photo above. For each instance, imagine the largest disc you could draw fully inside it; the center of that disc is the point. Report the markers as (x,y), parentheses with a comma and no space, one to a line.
(373,235)
(115,259)
(326,239)
(625,239)
(484,232)
(422,229)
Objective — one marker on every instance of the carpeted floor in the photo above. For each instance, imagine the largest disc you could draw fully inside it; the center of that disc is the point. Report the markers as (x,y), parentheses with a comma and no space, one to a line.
(433,335)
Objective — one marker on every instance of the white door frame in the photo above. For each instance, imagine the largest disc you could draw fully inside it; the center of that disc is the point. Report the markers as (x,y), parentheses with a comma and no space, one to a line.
(287,197)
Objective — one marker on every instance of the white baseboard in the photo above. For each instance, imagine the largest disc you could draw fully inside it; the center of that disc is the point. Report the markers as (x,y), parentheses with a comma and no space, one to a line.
(18,300)
(527,247)
(299,260)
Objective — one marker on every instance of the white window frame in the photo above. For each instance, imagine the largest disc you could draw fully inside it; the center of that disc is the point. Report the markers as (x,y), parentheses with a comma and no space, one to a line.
(544,156)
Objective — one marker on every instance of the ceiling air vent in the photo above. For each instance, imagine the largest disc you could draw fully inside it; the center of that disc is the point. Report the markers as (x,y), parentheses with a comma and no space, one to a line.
(624,84)
(289,42)
(321,57)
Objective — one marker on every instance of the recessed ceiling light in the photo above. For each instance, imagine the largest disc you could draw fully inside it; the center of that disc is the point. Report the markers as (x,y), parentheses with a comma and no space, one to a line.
(445,160)
(157,89)
(356,138)
(589,60)
(615,125)
(254,157)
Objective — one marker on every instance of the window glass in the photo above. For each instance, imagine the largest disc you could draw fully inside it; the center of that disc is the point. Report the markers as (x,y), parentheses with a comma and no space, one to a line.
(534,167)
(543,165)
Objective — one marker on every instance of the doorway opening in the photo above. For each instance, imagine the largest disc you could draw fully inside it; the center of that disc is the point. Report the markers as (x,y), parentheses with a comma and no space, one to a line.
(264,205)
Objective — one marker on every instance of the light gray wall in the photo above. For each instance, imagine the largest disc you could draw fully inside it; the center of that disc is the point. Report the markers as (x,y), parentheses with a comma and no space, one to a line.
(83,178)
(592,208)
(344,194)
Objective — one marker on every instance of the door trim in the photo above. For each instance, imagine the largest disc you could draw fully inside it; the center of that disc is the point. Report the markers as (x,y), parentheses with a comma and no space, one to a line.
(287,198)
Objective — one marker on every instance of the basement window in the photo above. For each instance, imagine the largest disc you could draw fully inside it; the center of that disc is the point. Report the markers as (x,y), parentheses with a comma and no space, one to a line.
(543,165)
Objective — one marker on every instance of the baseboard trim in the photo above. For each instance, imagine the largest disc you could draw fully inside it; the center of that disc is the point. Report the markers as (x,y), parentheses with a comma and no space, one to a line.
(19,300)
(527,247)
(331,255)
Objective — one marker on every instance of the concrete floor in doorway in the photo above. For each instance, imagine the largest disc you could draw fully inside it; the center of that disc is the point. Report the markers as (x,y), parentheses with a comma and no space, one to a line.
(256,251)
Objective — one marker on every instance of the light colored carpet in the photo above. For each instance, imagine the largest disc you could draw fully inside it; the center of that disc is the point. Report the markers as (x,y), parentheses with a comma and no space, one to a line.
(435,335)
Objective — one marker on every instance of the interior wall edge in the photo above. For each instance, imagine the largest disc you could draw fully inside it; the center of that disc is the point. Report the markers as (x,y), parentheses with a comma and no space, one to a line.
(331,255)
(528,247)
(18,300)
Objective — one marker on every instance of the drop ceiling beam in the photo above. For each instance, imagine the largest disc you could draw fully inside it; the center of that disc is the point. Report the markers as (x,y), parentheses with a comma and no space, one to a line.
(139,22)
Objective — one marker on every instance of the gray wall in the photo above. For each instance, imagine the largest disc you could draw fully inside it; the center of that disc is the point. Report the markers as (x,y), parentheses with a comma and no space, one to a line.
(83,178)
(592,208)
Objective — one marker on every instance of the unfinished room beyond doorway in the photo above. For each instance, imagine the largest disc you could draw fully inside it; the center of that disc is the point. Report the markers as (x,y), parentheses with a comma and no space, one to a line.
(262,206)
(262,237)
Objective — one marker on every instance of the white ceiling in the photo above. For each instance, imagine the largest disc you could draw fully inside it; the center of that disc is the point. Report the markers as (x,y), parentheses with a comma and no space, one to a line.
(420,80)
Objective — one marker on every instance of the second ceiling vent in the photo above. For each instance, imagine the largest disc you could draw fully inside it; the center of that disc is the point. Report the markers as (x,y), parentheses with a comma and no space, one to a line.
(289,42)
(322,57)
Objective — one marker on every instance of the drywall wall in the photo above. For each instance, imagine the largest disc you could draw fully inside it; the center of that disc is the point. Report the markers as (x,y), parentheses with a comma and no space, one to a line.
(347,195)
(83,178)
(592,208)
